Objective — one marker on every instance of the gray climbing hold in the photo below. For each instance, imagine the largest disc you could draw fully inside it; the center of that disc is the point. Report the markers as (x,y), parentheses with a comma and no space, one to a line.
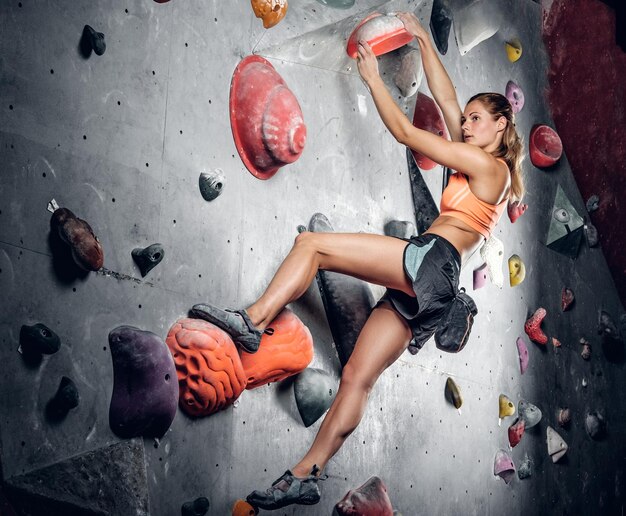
(109,480)
(400,229)
(474,24)
(529,413)
(594,425)
(315,391)
(593,203)
(38,339)
(148,258)
(591,234)
(410,73)
(525,468)
(211,184)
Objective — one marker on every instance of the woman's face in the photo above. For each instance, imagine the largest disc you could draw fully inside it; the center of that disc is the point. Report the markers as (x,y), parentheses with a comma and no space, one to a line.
(478,126)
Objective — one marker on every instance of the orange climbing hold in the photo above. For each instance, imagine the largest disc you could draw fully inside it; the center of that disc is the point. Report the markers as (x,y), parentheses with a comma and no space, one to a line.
(286,349)
(242,508)
(270,11)
(209,370)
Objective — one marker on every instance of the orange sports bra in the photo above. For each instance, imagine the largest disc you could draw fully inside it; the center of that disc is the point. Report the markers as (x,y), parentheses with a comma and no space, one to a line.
(459,201)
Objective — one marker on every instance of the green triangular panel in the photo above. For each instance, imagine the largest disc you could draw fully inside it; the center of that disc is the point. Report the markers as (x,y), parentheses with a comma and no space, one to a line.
(564,219)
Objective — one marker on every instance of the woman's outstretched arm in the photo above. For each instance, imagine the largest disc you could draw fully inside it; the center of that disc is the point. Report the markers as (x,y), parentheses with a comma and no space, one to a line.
(455,155)
(437,78)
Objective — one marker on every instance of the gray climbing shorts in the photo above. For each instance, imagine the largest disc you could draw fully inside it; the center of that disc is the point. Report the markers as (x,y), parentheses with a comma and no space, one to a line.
(432,264)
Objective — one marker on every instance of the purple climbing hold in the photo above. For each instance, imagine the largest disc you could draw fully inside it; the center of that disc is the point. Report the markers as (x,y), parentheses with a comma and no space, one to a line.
(480,276)
(515,96)
(522,351)
(145,388)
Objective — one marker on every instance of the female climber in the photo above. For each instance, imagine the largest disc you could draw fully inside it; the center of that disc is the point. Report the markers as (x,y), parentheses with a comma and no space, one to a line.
(421,275)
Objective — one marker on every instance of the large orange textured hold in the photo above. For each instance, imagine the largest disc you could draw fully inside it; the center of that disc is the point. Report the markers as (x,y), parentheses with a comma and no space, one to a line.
(270,11)
(287,351)
(210,373)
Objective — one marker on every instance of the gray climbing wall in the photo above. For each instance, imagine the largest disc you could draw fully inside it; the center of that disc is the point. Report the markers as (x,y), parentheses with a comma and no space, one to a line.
(121,139)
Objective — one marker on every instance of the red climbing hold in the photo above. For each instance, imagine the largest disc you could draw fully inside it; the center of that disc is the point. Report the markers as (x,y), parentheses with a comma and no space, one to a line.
(516,430)
(545,146)
(265,118)
(371,499)
(515,210)
(383,33)
(428,117)
(533,327)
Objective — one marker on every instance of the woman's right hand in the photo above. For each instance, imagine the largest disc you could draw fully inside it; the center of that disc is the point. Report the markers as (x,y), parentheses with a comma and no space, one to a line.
(413,26)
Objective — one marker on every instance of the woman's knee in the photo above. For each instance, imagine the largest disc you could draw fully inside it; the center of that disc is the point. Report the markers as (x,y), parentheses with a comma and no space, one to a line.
(354,379)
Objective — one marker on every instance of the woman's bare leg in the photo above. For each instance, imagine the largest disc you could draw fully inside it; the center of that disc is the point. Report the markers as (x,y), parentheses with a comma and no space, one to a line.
(381,341)
(373,258)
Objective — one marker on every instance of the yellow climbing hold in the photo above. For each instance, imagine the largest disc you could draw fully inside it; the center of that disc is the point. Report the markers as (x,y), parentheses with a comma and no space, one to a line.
(507,408)
(514,49)
(517,270)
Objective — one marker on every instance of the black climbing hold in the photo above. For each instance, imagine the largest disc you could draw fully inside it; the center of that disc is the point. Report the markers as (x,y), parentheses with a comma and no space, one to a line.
(198,507)
(39,339)
(211,184)
(606,326)
(426,210)
(440,23)
(95,39)
(65,399)
(148,258)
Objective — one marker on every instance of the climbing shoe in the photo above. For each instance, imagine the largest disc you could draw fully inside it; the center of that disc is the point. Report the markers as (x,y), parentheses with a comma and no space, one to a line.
(234,322)
(288,490)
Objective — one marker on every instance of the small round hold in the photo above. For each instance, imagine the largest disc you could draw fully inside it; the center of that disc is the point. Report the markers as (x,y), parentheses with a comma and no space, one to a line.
(301,228)
(148,258)
(586,352)
(594,424)
(593,203)
(65,399)
(96,39)
(211,184)
(565,416)
(39,339)
(198,507)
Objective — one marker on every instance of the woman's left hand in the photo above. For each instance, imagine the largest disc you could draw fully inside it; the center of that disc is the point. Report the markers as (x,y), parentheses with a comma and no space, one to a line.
(366,62)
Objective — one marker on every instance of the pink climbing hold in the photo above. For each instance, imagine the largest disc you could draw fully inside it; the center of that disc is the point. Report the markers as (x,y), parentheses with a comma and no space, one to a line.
(265,118)
(533,327)
(516,430)
(515,210)
(522,351)
(567,298)
(503,466)
(545,146)
(556,342)
(383,33)
(480,276)
(371,499)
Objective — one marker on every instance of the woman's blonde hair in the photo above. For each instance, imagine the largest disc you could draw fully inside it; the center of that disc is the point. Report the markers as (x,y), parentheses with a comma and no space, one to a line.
(511,148)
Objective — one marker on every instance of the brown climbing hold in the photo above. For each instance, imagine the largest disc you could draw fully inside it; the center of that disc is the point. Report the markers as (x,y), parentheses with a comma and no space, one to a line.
(270,11)
(371,499)
(567,298)
(286,349)
(84,244)
(532,327)
(564,417)
(210,373)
